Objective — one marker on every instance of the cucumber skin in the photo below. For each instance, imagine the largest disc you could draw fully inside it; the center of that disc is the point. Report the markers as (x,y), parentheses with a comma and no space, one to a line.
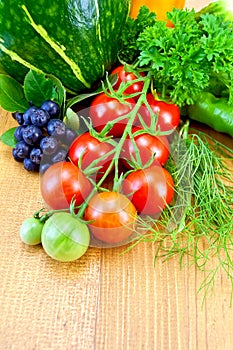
(88,32)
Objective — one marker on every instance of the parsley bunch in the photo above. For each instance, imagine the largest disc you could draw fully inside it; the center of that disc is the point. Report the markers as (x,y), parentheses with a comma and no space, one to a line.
(195,55)
(129,50)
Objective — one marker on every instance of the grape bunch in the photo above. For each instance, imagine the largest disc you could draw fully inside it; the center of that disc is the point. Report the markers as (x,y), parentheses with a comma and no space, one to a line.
(41,135)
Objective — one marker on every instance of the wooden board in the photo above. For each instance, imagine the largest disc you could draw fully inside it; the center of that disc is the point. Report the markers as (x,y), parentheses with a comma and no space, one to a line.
(105,300)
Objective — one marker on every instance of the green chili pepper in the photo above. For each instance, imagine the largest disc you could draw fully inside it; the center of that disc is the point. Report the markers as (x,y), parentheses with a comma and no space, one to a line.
(214,112)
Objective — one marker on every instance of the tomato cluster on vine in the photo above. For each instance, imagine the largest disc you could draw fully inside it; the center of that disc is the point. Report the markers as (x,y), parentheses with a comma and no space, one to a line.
(116,170)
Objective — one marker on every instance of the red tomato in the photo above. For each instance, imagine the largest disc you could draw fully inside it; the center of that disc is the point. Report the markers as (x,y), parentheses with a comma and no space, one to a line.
(105,109)
(113,217)
(124,76)
(150,189)
(168,113)
(90,149)
(148,146)
(62,182)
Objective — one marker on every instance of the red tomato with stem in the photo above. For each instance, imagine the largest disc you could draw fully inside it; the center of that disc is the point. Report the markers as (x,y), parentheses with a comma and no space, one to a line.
(113,217)
(90,149)
(168,113)
(124,76)
(104,109)
(147,146)
(150,189)
(61,183)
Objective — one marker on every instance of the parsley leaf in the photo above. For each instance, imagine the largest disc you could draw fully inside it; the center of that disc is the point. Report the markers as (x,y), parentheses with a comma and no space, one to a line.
(129,51)
(183,60)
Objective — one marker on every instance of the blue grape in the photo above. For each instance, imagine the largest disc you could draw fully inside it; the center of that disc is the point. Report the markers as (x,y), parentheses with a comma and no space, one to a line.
(70,136)
(27,115)
(18,132)
(56,128)
(39,117)
(18,117)
(21,151)
(51,107)
(59,156)
(32,135)
(36,155)
(29,165)
(48,145)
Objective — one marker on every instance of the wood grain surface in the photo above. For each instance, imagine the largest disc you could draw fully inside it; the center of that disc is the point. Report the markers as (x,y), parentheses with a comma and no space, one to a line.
(106,300)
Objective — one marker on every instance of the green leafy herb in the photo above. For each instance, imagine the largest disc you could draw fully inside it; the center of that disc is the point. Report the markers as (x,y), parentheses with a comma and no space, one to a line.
(184,59)
(129,51)
(12,96)
(199,224)
(174,56)
(8,138)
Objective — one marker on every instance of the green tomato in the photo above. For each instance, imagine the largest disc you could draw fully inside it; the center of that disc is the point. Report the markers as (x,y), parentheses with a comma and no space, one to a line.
(64,237)
(30,231)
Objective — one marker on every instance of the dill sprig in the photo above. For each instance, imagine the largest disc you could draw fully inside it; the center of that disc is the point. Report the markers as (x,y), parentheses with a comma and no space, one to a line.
(199,224)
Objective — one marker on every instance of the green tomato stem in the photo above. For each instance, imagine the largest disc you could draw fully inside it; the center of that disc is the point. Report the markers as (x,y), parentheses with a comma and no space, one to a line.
(118,147)
(48,214)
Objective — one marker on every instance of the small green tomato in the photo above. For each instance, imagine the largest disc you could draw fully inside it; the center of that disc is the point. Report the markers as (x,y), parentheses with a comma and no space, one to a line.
(30,231)
(65,238)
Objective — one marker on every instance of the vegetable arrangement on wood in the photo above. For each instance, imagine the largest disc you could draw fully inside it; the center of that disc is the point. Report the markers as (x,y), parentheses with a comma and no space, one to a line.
(118,163)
